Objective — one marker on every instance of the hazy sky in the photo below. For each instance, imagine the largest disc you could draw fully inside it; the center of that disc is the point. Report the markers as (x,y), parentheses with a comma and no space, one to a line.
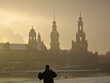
(17,17)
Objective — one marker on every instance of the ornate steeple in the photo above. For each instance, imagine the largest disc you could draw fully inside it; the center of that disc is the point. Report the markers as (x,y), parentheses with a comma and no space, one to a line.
(81,45)
(80,23)
(80,36)
(54,45)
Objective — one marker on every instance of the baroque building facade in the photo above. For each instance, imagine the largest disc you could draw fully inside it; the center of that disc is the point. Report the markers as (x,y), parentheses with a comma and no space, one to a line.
(53,56)
(35,42)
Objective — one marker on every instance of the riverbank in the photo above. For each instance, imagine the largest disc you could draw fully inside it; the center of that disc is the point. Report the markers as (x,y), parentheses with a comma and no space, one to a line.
(105,79)
(60,73)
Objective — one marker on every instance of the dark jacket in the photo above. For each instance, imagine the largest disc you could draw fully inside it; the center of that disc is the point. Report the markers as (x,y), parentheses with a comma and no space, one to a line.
(48,76)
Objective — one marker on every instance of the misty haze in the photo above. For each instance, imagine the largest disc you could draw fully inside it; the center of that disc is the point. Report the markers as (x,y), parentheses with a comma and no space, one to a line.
(70,39)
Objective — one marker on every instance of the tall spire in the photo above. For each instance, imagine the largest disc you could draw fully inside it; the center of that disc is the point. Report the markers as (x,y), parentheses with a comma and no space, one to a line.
(39,37)
(54,44)
(54,23)
(80,23)
(54,15)
(80,13)
(80,17)
(32,27)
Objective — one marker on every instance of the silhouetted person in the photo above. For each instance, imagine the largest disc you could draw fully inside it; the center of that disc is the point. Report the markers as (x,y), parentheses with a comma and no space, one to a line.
(47,75)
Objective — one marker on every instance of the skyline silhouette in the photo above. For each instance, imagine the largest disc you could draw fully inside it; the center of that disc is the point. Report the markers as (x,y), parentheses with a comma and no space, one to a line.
(16,20)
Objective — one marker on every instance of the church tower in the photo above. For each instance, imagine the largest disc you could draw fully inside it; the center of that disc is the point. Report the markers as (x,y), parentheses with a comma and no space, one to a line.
(32,39)
(40,44)
(39,37)
(81,45)
(54,44)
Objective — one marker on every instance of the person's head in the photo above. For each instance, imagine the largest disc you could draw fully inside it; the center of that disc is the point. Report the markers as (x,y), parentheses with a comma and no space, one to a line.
(47,67)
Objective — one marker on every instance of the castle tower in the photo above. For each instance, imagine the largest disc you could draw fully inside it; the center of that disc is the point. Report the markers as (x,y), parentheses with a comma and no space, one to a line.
(54,45)
(32,39)
(81,45)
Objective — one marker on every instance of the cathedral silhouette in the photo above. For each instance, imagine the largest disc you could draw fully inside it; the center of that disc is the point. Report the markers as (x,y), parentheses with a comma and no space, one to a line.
(34,55)
(37,52)
(80,46)
(39,45)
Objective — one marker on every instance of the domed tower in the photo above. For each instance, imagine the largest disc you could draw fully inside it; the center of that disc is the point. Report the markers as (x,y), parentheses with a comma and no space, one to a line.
(54,45)
(81,45)
(32,38)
